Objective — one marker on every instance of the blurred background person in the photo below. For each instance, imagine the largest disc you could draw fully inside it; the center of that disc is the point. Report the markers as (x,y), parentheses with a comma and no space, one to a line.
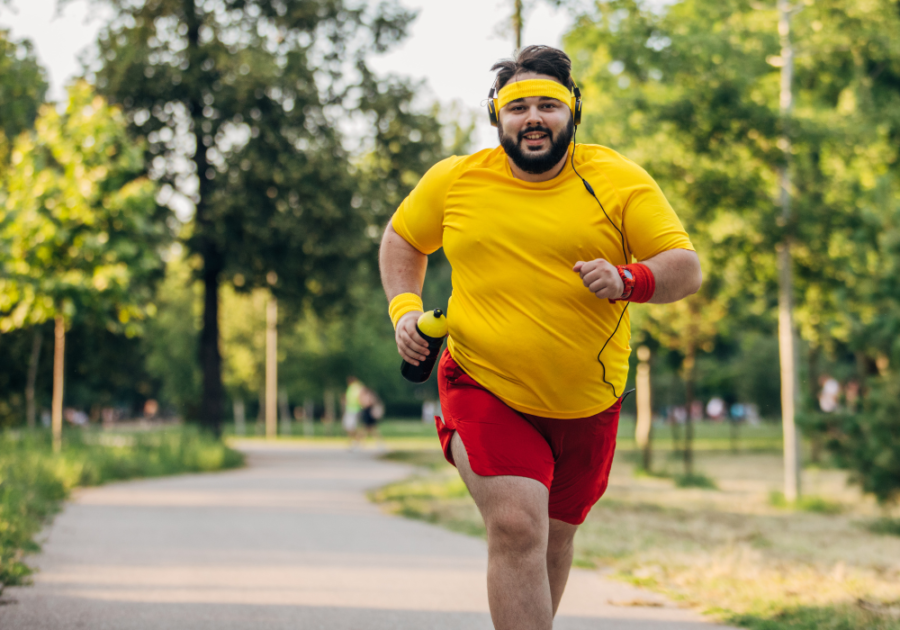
(352,408)
(372,412)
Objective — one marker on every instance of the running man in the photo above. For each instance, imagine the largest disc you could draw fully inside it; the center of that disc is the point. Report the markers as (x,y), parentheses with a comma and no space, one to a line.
(541,234)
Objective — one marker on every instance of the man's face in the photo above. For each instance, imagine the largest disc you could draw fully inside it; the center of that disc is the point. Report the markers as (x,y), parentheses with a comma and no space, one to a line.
(535,131)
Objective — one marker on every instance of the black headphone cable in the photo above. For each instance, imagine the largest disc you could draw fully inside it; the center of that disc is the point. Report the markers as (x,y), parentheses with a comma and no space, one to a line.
(624,253)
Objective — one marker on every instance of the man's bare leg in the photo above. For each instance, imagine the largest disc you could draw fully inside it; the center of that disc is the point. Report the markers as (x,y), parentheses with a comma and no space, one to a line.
(559,558)
(515,515)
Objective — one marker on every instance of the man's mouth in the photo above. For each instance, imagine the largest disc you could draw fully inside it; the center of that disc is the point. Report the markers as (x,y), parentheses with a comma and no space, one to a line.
(535,138)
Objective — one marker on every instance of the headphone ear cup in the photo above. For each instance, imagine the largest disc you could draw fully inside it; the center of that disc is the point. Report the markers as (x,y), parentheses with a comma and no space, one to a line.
(577,114)
(492,112)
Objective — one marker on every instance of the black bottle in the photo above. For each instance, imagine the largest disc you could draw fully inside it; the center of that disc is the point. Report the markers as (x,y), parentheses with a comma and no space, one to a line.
(432,326)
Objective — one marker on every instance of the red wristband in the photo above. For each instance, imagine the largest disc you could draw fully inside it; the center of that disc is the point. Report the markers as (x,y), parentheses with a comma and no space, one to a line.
(644,283)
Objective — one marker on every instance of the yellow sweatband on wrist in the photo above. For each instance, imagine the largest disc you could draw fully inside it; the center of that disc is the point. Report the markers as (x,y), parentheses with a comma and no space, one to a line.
(535,87)
(403,304)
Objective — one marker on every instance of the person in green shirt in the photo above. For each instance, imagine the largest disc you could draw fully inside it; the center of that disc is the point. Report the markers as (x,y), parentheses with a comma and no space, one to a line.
(352,406)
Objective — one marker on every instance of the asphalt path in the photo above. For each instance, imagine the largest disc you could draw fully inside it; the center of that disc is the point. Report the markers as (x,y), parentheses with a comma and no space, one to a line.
(290,541)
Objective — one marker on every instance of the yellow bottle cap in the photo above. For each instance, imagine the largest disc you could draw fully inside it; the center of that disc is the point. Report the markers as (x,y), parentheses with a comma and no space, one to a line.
(433,323)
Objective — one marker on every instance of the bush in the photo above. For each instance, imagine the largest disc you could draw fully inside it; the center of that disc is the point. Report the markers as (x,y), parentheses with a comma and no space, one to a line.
(868,443)
(34,481)
(887,526)
(695,480)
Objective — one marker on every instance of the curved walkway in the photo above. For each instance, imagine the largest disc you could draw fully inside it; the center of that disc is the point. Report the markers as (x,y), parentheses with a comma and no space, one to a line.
(288,542)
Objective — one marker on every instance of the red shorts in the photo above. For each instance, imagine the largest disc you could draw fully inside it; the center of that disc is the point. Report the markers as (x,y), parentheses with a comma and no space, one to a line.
(571,457)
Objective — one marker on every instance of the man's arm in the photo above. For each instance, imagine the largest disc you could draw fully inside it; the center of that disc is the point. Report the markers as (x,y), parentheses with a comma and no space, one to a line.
(403,271)
(676,271)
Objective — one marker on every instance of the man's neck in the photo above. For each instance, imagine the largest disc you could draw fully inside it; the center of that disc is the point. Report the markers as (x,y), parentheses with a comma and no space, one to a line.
(538,177)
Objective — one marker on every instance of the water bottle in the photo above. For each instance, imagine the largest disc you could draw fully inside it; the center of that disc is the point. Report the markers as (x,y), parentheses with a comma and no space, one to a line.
(432,327)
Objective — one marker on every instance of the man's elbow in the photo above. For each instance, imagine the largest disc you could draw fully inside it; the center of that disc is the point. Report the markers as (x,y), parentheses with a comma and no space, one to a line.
(696,277)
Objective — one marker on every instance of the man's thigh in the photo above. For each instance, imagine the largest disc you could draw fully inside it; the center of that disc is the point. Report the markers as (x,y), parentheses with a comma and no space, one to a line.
(503,495)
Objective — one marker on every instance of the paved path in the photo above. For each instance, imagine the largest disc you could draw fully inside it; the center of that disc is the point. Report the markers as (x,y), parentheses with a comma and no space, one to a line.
(288,542)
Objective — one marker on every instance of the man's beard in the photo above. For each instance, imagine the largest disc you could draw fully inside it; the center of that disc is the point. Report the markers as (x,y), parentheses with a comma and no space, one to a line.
(537,164)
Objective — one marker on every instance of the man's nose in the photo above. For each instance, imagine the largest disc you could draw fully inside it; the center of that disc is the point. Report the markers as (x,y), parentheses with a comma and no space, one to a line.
(534,116)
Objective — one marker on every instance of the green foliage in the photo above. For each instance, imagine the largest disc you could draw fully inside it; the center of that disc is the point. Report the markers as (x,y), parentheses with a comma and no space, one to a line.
(695,480)
(258,89)
(254,97)
(846,617)
(866,443)
(432,460)
(690,91)
(80,230)
(104,368)
(171,338)
(818,505)
(23,84)
(33,481)
(887,526)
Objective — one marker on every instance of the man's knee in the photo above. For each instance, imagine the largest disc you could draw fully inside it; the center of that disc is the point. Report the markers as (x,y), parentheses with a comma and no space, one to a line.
(561,539)
(516,530)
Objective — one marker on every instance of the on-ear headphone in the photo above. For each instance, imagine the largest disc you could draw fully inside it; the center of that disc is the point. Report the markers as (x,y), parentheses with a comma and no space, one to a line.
(494,114)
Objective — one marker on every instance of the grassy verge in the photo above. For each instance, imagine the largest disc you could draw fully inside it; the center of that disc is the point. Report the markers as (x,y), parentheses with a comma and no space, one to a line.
(730,550)
(34,481)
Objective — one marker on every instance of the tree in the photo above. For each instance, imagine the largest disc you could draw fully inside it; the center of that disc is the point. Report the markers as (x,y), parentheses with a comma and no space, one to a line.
(171,337)
(23,85)
(80,231)
(690,327)
(239,101)
(691,92)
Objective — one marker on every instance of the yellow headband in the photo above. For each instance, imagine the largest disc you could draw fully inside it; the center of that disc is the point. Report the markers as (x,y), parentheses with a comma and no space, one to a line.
(535,87)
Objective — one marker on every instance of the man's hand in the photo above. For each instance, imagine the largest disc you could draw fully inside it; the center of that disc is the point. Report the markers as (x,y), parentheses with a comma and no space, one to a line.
(600,277)
(410,344)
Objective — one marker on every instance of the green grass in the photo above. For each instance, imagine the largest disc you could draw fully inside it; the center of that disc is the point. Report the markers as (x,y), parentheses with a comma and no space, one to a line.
(811,565)
(886,526)
(695,480)
(846,617)
(819,505)
(431,460)
(34,481)
(390,428)
(766,436)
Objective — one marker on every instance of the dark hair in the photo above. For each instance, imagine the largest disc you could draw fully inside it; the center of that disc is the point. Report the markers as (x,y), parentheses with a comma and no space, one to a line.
(538,59)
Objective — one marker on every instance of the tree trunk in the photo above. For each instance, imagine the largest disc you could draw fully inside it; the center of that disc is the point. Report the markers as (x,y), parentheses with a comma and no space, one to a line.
(309,412)
(212,405)
(813,393)
(210,358)
(261,414)
(518,24)
(32,377)
(59,353)
(676,434)
(644,422)
(284,413)
(272,368)
(689,360)
(786,336)
(329,416)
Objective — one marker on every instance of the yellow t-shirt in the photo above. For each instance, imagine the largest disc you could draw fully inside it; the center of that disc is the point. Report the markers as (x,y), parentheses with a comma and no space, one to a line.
(521,322)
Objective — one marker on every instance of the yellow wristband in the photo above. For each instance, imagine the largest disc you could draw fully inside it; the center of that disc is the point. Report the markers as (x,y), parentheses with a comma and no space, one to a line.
(403,304)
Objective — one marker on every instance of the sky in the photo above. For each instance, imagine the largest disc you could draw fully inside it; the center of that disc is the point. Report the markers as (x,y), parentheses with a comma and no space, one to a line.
(451,45)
